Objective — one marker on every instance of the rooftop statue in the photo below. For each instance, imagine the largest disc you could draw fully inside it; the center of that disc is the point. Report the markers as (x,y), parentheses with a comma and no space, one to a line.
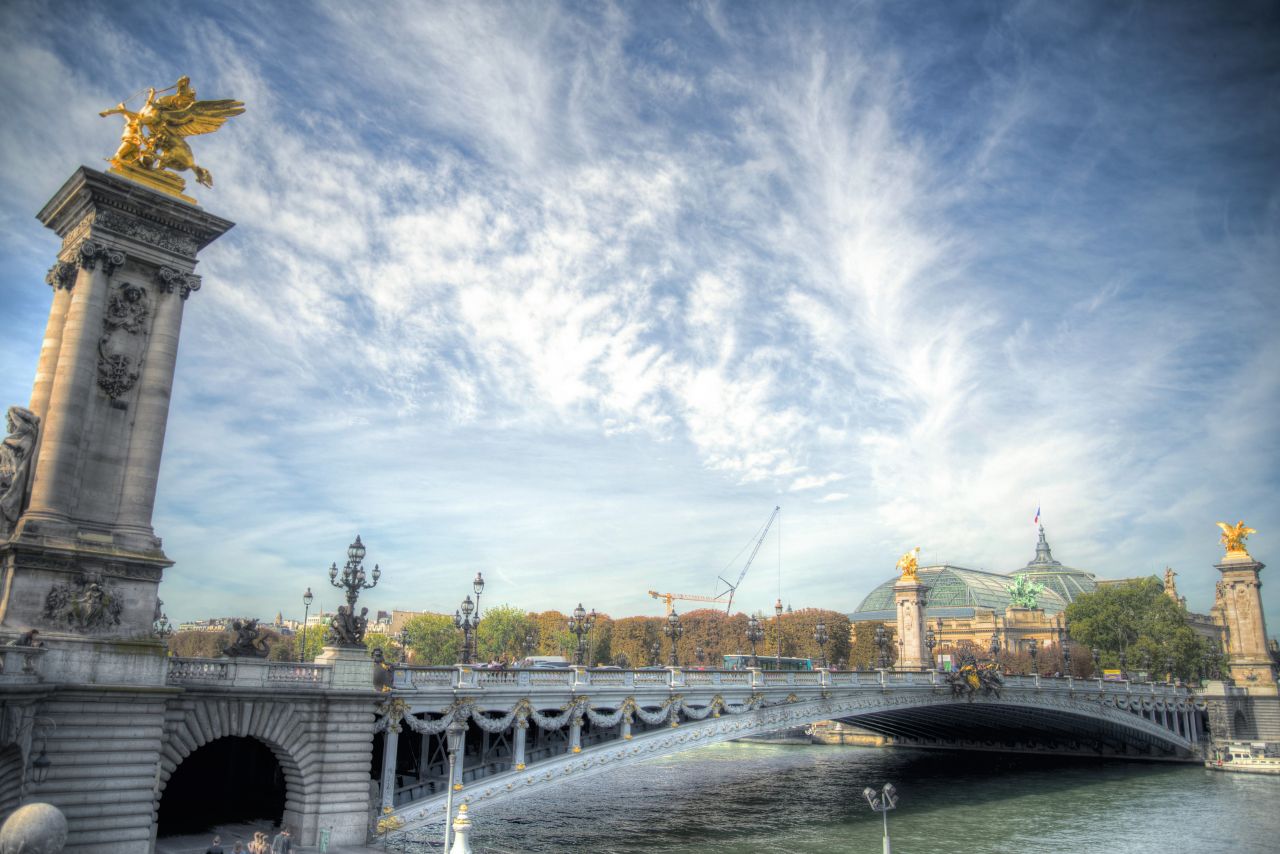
(1233,537)
(1024,593)
(908,564)
(154,138)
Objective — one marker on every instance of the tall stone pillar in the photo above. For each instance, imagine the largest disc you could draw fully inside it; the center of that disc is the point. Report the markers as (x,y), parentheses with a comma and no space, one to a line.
(80,560)
(1240,601)
(909,595)
(522,736)
(390,751)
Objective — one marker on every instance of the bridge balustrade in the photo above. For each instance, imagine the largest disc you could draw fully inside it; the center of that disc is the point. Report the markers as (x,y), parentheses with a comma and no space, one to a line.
(20,664)
(247,673)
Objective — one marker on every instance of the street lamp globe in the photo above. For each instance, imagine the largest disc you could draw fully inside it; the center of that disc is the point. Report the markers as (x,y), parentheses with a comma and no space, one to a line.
(333,571)
(478,585)
(356,551)
(308,598)
(467,606)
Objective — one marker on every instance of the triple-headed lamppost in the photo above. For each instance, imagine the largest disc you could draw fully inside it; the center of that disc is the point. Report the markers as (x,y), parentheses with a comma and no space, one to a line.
(580,623)
(930,641)
(755,634)
(463,619)
(673,630)
(882,644)
(352,582)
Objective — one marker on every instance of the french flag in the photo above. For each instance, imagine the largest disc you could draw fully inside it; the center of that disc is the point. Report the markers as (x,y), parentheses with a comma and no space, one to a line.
(1036,520)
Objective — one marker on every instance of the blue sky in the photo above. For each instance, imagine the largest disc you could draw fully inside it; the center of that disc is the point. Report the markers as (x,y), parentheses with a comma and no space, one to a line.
(575,294)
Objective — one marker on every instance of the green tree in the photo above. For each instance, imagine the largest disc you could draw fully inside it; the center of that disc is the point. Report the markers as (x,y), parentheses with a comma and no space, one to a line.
(1137,618)
(864,654)
(501,633)
(433,639)
(553,635)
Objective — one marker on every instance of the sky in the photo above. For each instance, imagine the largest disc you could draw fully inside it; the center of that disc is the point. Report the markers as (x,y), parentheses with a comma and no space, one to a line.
(575,294)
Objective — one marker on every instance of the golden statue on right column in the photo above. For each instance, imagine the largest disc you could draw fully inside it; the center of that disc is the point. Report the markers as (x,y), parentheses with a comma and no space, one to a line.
(1233,537)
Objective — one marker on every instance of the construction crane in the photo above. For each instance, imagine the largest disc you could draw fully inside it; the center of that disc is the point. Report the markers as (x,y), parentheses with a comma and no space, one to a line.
(668,598)
(733,588)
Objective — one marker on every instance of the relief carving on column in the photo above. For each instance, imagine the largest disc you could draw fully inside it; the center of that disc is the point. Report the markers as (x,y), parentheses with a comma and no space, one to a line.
(124,339)
(170,280)
(85,604)
(90,253)
(17,453)
(61,276)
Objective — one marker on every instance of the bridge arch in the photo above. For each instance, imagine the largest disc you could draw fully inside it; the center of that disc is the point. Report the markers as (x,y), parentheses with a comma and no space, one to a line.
(1087,720)
(214,724)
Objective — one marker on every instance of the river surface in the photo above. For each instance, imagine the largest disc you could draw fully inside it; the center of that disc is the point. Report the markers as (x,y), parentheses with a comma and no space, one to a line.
(741,797)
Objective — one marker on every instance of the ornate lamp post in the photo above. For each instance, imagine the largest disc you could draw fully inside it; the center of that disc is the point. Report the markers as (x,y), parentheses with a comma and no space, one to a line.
(777,627)
(754,635)
(700,655)
(821,638)
(882,802)
(882,644)
(478,586)
(930,641)
(529,642)
(352,582)
(995,648)
(1034,648)
(463,620)
(673,630)
(655,653)
(1124,666)
(1097,662)
(307,599)
(580,623)
(403,637)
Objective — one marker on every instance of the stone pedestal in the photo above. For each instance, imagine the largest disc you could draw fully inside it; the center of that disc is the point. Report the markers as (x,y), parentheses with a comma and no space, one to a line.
(1249,662)
(352,667)
(910,598)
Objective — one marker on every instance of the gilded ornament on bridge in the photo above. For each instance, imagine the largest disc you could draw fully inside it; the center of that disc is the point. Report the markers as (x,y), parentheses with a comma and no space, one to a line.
(1233,537)
(908,564)
(153,147)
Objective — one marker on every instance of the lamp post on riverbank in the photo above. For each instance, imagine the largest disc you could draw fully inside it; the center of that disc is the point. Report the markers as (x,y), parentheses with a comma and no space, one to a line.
(882,802)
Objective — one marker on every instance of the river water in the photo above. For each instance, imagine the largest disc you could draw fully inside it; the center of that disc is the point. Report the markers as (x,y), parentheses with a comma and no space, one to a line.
(740,797)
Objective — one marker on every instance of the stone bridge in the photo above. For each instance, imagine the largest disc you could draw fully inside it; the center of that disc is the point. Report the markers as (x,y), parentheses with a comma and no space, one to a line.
(528,730)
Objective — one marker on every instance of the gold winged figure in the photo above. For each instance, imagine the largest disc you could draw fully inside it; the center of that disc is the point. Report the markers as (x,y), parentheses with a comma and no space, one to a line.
(909,563)
(1233,537)
(153,146)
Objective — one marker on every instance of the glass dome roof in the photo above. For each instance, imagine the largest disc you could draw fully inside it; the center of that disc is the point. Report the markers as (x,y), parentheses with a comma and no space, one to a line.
(957,587)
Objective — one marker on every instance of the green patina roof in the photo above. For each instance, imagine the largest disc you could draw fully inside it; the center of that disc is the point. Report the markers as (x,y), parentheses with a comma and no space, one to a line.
(956,591)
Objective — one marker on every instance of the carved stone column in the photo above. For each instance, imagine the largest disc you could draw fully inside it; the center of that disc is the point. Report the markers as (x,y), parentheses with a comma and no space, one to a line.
(522,735)
(575,732)
(1248,659)
(909,594)
(81,562)
(390,749)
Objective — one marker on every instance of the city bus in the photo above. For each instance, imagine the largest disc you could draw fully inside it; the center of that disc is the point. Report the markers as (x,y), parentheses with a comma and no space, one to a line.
(767,662)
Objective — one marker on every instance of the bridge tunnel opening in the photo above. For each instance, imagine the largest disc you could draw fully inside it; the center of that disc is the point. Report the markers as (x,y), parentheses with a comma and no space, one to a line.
(230,780)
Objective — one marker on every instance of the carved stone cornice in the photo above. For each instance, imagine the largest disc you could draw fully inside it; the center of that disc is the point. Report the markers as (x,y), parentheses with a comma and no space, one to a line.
(119,207)
(61,276)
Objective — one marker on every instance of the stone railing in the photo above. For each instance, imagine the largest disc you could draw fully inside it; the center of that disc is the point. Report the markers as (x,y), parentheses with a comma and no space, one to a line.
(576,679)
(20,664)
(248,673)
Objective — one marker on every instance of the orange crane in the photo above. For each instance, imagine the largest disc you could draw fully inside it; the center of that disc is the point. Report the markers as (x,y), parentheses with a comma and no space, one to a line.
(667,598)
(730,589)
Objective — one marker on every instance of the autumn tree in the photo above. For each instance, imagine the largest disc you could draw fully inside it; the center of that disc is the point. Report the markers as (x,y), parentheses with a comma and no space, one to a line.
(1137,619)
(864,654)
(198,644)
(433,639)
(501,633)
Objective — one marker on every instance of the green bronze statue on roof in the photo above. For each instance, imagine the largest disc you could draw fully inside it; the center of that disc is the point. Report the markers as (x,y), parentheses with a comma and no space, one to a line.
(1024,593)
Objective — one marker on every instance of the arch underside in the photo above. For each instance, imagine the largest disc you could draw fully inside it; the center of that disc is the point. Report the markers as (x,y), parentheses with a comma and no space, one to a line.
(273,724)
(990,721)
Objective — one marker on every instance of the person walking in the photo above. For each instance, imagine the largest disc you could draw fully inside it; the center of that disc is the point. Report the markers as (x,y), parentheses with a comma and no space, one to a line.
(283,843)
(215,847)
(259,843)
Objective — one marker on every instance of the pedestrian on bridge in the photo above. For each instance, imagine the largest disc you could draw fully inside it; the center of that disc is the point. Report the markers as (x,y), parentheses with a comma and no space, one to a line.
(215,847)
(283,843)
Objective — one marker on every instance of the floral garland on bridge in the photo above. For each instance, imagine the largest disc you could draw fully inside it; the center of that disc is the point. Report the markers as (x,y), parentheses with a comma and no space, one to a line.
(396,711)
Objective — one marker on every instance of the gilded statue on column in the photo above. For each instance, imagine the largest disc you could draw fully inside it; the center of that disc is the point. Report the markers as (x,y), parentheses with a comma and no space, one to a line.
(153,147)
(908,564)
(1233,537)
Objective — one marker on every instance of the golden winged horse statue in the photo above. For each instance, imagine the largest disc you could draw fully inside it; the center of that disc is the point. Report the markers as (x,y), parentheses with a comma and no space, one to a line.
(1233,537)
(154,139)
